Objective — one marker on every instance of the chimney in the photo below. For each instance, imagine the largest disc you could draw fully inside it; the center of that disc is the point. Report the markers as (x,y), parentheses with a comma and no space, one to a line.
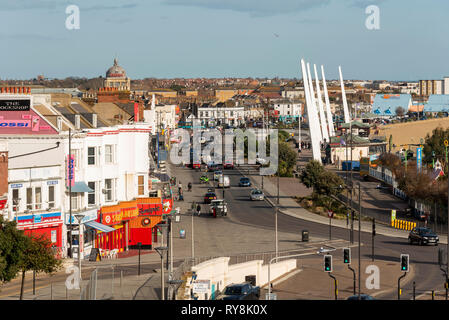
(59,123)
(94,120)
(136,112)
(77,121)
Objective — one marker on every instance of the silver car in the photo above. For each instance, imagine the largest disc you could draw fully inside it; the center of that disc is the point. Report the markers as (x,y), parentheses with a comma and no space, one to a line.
(256,194)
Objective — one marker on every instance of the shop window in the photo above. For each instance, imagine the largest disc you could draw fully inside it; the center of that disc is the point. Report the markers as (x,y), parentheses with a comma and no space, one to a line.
(51,196)
(141,185)
(91,155)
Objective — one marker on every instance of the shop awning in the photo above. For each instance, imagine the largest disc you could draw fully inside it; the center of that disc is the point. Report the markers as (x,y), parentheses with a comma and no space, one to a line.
(99,226)
(81,187)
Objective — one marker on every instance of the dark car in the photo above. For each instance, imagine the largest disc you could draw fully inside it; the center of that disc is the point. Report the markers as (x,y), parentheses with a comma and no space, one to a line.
(362,297)
(245,182)
(423,236)
(208,197)
(242,291)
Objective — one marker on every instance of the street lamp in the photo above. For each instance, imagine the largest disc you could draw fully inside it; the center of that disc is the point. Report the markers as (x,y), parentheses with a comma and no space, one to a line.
(79,217)
(160,251)
(175,283)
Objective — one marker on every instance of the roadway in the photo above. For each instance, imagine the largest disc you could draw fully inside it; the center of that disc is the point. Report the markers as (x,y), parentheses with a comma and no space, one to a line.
(262,215)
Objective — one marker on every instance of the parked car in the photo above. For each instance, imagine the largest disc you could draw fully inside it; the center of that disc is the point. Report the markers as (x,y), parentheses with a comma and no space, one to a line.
(217,174)
(256,194)
(362,297)
(220,207)
(208,197)
(228,165)
(423,236)
(224,181)
(242,291)
(212,167)
(245,182)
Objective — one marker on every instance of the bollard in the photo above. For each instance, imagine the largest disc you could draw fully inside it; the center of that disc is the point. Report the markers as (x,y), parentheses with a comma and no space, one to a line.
(433,294)
(414,290)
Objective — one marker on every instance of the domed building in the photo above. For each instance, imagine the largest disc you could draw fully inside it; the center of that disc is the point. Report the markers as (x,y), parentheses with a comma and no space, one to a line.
(116,78)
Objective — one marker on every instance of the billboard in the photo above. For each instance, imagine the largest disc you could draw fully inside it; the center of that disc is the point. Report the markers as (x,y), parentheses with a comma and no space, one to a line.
(15,104)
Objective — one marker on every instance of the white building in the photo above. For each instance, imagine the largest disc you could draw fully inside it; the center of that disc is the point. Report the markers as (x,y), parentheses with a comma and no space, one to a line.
(288,110)
(213,115)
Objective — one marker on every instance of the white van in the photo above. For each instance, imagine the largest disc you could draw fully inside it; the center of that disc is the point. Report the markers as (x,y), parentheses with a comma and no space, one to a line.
(224,181)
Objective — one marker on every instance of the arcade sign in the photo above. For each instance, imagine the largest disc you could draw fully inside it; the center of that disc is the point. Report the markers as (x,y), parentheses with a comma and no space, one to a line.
(15,104)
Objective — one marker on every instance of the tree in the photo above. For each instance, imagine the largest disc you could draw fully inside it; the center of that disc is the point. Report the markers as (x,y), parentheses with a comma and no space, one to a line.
(12,248)
(37,257)
(286,159)
(435,143)
(321,181)
(400,111)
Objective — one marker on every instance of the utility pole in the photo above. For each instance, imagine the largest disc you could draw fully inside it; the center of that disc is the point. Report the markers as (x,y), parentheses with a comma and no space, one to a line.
(276,216)
(360,218)
(70,194)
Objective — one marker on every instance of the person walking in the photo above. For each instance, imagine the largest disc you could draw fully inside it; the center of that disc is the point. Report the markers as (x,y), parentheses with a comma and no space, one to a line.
(198,209)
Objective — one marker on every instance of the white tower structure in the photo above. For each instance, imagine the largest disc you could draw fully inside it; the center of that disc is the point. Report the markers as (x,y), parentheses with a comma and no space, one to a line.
(330,121)
(324,130)
(313,103)
(312,116)
(343,94)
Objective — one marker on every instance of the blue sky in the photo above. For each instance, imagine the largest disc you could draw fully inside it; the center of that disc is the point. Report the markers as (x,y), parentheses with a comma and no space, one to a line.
(225,38)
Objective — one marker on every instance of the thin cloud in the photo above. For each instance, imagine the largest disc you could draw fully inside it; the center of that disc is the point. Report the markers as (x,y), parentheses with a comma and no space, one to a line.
(253,7)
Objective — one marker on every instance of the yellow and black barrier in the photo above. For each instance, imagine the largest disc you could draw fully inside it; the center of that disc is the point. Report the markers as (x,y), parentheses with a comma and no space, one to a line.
(403,224)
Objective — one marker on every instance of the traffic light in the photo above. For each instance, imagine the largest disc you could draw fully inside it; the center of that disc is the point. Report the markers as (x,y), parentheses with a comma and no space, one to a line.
(405,262)
(328,263)
(374,227)
(347,255)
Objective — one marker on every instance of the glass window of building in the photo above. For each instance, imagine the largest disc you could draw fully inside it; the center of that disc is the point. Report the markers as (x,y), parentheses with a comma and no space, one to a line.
(29,198)
(91,196)
(108,152)
(108,188)
(91,155)
(38,198)
(141,185)
(51,196)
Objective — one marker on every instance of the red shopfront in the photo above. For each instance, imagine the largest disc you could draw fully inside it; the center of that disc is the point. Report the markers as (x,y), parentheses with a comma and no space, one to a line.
(143,229)
(117,217)
(48,225)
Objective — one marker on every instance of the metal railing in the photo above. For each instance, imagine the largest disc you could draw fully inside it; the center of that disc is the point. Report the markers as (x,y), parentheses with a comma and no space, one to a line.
(100,285)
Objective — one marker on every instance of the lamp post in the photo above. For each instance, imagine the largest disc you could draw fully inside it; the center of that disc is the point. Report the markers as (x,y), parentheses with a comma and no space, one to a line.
(160,251)
(79,218)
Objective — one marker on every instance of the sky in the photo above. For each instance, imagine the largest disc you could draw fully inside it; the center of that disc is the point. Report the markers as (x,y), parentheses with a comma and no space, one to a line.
(225,38)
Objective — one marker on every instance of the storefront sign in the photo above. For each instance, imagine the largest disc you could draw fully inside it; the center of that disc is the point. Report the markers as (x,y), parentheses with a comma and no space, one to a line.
(15,123)
(167,205)
(111,215)
(15,104)
(70,170)
(37,218)
(89,215)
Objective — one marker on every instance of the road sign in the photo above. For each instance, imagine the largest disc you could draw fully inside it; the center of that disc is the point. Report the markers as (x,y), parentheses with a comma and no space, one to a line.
(419,158)
(393,215)
(446,143)
(201,286)
(330,214)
